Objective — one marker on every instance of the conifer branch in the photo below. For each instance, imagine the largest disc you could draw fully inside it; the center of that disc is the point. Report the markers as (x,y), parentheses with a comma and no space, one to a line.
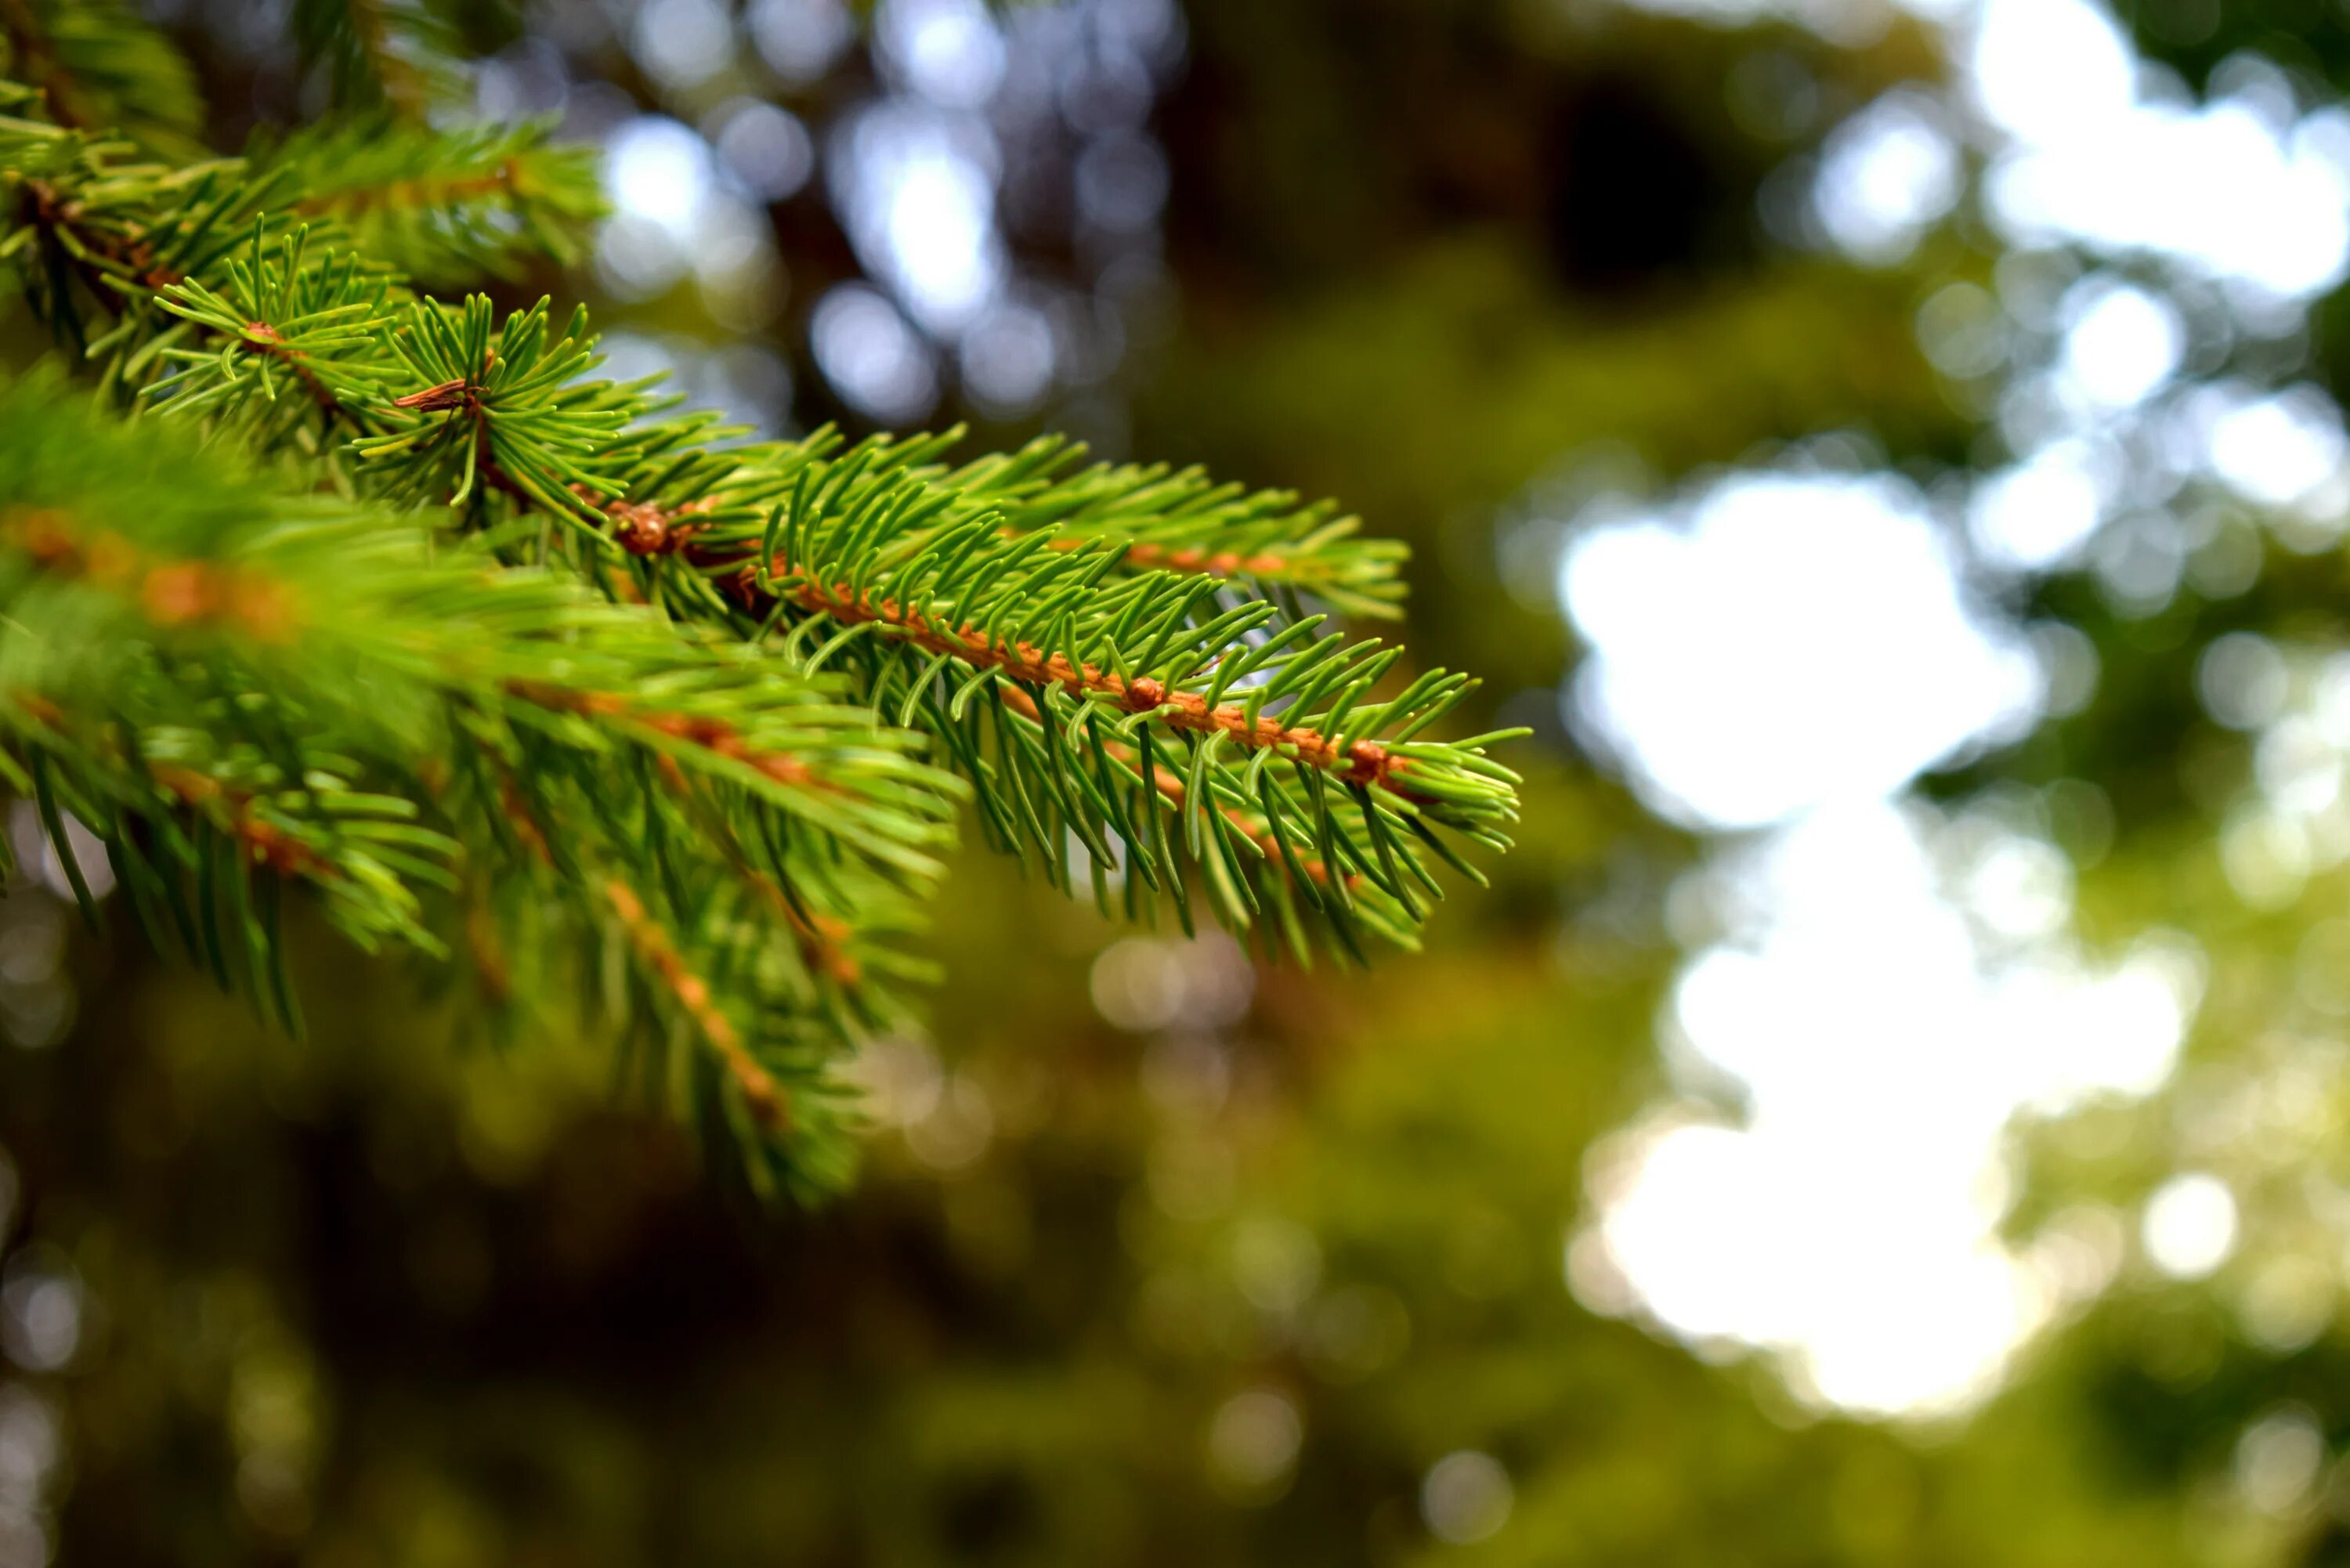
(1172,787)
(768,1104)
(269,836)
(102,256)
(336,584)
(907,521)
(1353,761)
(443,203)
(242,818)
(1291,829)
(653,949)
(192,815)
(823,941)
(647,528)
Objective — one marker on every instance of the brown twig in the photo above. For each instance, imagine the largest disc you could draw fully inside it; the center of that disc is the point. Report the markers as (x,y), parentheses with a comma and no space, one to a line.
(646,529)
(524,823)
(767,1098)
(462,394)
(714,735)
(821,939)
(263,841)
(1145,556)
(1172,785)
(1357,761)
(769,1104)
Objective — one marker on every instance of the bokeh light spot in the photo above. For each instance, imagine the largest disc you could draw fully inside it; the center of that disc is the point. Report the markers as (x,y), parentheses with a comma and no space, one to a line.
(2190,1228)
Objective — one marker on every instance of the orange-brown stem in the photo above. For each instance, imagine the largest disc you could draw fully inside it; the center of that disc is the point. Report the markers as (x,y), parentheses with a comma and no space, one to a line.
(264,843)
(714,735)
(1357,761)
(770,1106)
(819,938)
(766,1097)
(524,821)
(822,940)
(1172,785)
(647,528)
(1145,556)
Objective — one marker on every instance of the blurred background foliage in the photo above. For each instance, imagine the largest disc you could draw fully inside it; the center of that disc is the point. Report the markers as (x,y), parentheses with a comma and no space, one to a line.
(1892,1108)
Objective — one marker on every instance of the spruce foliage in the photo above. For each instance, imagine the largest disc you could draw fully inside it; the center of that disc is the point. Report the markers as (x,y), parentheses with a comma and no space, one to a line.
(319,585)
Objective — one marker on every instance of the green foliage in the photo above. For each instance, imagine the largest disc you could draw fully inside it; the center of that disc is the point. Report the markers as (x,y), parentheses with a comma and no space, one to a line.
(95,66)
(379,54)
(400,1302)
(442,204)
(333,583)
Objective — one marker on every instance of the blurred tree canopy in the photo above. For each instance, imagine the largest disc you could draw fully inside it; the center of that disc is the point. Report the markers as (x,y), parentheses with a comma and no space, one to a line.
(1162,1258)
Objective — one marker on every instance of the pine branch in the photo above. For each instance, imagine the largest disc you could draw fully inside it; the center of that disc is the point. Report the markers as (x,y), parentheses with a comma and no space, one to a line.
(881,538)
(336,586)
(658,952)
(441,204)
(328,586)
(768,1102)
(1293,550)
(82,211)
(137,589)
(824,941)
(514,417)
(1176,791)
(154,792)
(1158,519)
